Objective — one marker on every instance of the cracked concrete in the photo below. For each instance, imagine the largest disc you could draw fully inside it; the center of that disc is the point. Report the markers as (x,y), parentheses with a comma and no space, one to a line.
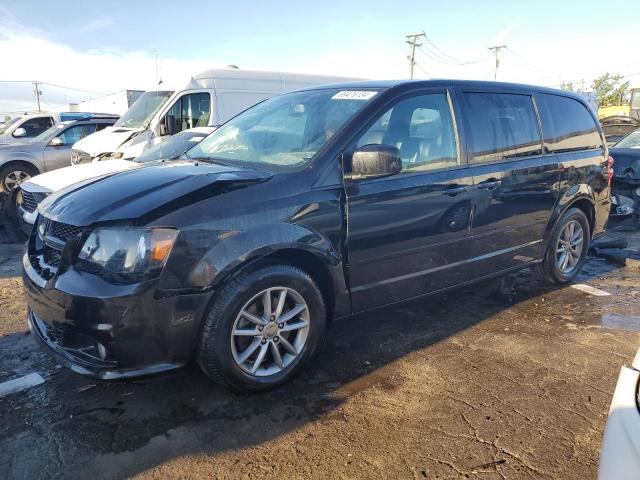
(481,384)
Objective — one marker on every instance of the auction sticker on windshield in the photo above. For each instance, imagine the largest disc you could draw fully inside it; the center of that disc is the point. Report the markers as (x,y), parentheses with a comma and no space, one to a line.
(354,95)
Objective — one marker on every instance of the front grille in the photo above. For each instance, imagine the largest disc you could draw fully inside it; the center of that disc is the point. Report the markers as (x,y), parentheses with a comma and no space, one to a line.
(63,231)
(53,238)
(52,256)
(29,202)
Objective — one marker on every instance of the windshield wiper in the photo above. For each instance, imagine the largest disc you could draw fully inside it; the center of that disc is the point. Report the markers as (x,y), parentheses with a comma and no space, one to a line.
(207,160)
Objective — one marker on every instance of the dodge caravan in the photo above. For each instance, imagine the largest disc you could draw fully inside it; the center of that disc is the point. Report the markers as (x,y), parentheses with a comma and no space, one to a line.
(308,207)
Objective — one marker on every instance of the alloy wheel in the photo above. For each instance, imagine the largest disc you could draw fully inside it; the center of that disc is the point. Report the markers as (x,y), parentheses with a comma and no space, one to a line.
(569,247)
(15,178)
(270,331)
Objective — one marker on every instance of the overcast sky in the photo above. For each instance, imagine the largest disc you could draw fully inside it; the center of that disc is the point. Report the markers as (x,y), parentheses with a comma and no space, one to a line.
(101,47)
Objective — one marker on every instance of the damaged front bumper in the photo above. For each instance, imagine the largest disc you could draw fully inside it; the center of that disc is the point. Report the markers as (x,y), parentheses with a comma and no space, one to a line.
(110,331)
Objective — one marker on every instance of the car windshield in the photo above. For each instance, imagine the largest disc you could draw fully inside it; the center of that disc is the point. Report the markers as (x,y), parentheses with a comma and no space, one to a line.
(172,147)
(140,113)
(5,126)
(49,133)
(630,141)
(284,132)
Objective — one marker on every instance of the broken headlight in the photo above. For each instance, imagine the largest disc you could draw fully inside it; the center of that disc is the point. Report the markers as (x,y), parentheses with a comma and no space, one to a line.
(129,250)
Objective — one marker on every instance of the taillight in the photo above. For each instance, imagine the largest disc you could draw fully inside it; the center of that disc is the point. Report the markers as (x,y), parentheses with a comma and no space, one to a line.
(610,162)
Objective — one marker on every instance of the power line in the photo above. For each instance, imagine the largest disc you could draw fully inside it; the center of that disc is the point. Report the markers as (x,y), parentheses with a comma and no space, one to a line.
(449,58)
(420,67)
(413,43)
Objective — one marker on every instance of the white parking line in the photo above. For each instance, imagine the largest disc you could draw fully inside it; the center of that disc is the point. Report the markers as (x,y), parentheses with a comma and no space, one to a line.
(589,289)
(19,384)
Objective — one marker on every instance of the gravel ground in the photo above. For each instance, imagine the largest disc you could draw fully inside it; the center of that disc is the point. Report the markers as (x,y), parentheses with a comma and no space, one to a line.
(502,380)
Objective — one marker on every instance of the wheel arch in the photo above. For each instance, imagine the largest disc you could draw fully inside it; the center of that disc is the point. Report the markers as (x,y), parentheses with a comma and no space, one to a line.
(315,265)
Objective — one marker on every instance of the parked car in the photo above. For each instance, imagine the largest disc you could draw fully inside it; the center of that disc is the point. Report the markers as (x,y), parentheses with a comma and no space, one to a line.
(616,127)
(27,127)
(626,155)
(626,170)
(211,98)
(310,207)
(36,189)
(48,151)
(620,454)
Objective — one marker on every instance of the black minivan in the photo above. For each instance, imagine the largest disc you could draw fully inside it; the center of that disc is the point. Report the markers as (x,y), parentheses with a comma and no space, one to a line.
(311,206)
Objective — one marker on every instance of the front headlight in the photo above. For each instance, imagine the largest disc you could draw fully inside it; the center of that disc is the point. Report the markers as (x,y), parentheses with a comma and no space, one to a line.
(129,250)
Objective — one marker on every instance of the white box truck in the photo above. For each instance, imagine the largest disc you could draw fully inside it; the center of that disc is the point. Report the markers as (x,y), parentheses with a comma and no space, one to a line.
(209,99)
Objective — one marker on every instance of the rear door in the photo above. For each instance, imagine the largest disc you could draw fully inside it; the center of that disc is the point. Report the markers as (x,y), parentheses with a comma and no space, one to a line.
(408,233)
(515,180)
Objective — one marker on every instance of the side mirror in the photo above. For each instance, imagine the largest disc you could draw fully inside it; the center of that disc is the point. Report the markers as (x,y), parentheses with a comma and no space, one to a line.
(19,132)
(169,126)
(374,161)
(56,142)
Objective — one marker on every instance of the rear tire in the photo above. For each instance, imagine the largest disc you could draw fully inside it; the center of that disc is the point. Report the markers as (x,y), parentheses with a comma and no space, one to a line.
(14,174)
(252,351)
(567,249)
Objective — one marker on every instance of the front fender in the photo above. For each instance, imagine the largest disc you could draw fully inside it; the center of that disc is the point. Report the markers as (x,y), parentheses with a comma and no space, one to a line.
(18,156)
(239,248)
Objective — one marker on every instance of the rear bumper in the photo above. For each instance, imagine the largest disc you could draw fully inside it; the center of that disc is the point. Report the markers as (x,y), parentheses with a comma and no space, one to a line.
(620,455)
(111,331)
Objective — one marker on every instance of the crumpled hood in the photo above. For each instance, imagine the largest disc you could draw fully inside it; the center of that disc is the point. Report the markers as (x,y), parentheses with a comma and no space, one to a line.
(142,194)
(626,163)
(106,140)
(63,177)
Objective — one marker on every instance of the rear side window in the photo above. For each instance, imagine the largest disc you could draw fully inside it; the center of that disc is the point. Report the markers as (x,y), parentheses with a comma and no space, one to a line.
(567,124)
(501,126)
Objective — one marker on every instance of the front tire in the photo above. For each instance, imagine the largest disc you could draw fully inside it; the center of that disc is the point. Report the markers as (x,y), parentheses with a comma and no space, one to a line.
(261,328)
(13,175)
(567,250)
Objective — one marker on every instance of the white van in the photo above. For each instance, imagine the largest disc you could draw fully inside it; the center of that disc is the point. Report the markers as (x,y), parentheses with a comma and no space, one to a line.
(209,99)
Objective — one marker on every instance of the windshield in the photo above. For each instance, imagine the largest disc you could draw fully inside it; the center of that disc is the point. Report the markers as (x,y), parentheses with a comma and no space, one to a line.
(5,126)
(284,132)
(630,141)
(142,111)
(173,147)
(49,133)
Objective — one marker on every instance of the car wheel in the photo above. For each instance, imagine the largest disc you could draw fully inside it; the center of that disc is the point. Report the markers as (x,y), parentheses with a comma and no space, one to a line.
(261,328)
(14,175)
(567,250)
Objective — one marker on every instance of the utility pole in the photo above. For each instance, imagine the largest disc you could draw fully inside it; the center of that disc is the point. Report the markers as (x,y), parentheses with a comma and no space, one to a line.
(37,92)
(413,43)
(495,51)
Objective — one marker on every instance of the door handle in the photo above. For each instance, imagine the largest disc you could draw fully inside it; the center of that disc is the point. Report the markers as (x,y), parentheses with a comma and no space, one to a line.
(455,189)
(490,184)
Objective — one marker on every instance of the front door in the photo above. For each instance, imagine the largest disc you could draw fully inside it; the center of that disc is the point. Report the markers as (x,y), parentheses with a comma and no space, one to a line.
(515,182)
(408,233)
(58,156)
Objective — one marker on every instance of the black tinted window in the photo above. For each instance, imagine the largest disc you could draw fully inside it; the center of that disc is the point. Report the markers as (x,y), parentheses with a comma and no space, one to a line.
(36,126)
(421,127)
(567,124)
(501,126)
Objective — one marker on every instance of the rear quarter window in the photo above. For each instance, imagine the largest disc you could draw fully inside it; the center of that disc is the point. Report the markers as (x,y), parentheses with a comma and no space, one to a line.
(501,126)
(567,124)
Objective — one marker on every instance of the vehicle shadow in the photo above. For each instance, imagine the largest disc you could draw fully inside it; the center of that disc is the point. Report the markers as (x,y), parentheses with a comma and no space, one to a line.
(81,428)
